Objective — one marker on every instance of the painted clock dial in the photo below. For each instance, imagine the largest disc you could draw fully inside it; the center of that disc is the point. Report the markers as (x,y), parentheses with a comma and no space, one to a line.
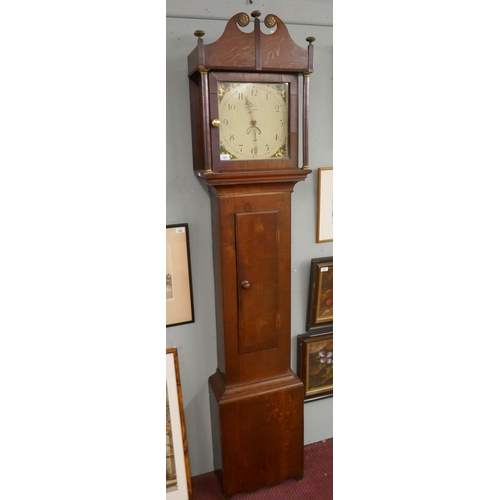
(254,121)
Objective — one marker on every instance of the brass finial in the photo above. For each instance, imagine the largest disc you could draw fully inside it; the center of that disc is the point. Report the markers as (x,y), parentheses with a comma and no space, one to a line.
(199,33)
(270,21)
(310,39)
(242,19)
(256,13)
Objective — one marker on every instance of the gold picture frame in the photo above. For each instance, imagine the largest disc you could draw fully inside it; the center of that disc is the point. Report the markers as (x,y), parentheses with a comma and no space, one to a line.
(179,291)
(315,364)
(324,219)
(178,476)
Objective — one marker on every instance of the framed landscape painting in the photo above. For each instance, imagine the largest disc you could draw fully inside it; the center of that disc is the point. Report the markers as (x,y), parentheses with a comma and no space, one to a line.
(179,305)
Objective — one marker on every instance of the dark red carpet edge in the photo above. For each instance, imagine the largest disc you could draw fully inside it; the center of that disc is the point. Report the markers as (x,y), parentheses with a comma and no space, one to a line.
(317,483)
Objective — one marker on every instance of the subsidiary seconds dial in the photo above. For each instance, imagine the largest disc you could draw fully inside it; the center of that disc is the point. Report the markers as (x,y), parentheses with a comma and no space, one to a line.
(253,120)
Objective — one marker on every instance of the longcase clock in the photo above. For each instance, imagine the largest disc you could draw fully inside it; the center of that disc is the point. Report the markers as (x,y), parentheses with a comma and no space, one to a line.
(244,93)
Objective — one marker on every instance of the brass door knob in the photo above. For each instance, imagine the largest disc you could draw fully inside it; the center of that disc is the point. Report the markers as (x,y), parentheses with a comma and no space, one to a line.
(245,285)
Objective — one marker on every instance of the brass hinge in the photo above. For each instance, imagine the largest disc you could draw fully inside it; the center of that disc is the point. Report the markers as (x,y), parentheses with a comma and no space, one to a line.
(278,237)
(278,320)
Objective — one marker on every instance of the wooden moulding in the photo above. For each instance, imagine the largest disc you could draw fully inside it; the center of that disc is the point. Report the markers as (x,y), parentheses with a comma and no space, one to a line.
(235,392)
(251,177)
(254,51)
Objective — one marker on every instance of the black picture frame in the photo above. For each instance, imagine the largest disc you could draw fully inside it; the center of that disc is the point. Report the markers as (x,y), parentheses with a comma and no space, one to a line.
(179,289)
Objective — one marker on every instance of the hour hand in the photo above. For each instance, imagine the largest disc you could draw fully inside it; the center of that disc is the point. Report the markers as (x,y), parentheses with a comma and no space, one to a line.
(253,127)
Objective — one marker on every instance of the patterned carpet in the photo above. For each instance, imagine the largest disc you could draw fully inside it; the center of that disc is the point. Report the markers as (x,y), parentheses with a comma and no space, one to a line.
(317,483)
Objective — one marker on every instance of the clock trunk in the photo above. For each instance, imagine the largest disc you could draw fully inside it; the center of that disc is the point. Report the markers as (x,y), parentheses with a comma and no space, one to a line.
(256,400)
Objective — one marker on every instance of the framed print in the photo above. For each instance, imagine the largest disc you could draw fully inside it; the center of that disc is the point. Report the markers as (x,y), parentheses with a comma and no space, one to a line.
(315,364)
(177,473)
(324,220)
(320,300)
(179,306)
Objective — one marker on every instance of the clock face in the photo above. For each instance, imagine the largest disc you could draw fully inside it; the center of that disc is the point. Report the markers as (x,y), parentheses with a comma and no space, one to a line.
(253,120)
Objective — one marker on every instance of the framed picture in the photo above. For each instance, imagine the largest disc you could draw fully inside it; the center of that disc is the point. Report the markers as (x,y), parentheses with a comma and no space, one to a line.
(178,473)
(179,307)
(320,301)
(324,224)
(315,364)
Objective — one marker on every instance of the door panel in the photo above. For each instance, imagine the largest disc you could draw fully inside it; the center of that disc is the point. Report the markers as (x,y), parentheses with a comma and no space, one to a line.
(257,280)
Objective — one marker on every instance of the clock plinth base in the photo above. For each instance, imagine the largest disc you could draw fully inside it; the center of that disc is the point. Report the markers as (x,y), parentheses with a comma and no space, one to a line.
(258,431)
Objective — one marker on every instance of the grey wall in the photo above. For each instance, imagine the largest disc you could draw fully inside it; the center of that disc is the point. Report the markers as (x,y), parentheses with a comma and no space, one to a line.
(188,201)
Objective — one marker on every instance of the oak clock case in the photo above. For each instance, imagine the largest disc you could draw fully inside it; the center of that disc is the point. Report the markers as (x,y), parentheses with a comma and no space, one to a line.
(244,96)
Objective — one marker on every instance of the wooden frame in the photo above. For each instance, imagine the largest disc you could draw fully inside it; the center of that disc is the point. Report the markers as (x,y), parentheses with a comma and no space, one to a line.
(178,476)
(315,364)
(287,162)
(320,300)
(179,292)
(324,225)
